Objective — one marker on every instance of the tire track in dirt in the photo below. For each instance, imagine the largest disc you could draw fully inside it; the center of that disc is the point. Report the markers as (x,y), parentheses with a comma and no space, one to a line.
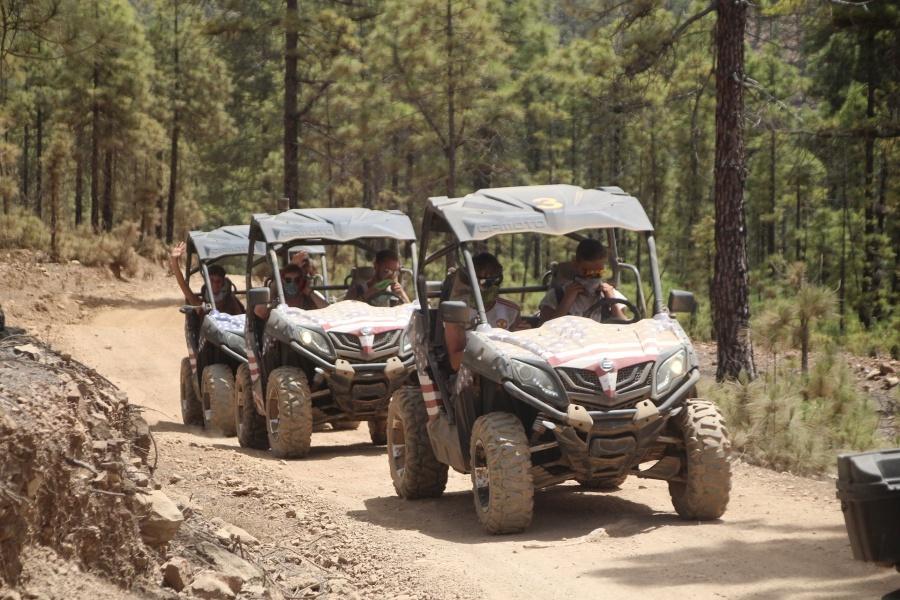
(782,537)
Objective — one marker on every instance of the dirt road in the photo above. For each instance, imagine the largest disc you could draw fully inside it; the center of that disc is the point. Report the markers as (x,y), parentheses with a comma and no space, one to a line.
(782,537)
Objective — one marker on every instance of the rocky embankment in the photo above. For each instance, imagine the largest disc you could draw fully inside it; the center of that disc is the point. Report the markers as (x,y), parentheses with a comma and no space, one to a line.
(82,513)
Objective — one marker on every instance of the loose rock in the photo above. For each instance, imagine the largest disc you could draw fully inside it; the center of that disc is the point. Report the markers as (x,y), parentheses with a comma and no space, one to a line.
(161,518)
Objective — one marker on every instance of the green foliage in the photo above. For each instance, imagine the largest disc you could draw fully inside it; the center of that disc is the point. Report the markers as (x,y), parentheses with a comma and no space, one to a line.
(778,421)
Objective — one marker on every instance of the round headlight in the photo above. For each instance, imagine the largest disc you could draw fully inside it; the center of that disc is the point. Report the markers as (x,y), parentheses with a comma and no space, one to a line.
(306,338)
(676,367)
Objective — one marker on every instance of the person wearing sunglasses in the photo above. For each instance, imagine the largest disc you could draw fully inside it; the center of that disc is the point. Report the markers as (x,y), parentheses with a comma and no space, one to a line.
(576,297)
(501,313)
(384,284)
(296,281)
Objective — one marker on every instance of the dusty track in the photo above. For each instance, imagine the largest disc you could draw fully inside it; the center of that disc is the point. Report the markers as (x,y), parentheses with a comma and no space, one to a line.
(782,537)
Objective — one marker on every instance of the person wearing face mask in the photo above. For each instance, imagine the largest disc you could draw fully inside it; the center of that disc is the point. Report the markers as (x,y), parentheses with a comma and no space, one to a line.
(385,279)
(500,312)
(579,295)
(296,281)
(222,288)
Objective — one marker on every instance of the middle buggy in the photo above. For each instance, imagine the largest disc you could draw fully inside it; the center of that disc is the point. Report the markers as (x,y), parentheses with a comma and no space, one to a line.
(338,364)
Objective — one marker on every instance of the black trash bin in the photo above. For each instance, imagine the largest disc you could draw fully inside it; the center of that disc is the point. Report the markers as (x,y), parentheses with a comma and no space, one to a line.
(869,490)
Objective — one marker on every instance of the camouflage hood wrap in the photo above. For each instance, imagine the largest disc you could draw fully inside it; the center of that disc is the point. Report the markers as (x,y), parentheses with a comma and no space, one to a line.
(581,343)
(350,316)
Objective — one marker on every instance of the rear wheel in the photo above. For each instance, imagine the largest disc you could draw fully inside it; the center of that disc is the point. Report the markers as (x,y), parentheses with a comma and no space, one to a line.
(191,409)
(289,419)
(250,425)
(415,471)
(217,389)
(501,473)
(378,431)
(703,495)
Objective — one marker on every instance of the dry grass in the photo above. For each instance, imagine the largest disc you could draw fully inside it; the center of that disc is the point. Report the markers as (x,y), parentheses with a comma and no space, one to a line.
(791,423)
(117,250)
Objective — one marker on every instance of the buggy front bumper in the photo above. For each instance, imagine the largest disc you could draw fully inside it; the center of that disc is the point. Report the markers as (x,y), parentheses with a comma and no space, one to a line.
(670,404)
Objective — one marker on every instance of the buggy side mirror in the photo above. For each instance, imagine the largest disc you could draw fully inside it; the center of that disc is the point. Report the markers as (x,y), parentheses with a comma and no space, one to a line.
(455,312)
(257,296)
(681,301)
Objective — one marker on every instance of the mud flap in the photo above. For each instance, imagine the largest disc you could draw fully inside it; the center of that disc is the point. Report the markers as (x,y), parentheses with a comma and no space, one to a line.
(445,443)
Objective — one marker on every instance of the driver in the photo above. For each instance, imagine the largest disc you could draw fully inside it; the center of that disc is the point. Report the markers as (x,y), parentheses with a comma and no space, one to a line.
(385,280)
(501,313)
(296,281)
(576,297)
(222,288)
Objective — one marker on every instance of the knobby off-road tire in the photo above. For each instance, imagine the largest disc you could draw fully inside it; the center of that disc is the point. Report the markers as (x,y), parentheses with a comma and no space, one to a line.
(289,419)
(250,425)
(603,484)
(415,471)
(191,409)
(217,389)
(378,431)
(502,486)
(703,495)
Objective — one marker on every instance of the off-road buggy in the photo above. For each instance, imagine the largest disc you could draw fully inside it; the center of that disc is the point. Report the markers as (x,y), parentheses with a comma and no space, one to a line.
(572,398)
(215,340)
(338,364)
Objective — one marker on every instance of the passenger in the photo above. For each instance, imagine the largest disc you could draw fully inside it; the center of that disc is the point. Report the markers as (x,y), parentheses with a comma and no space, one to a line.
(385,279)
(222,288)
(500,312)
(296,281)
(576,297)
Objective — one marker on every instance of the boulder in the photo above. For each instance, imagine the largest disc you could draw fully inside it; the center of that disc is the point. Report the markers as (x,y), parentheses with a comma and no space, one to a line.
(176,573)
(224,561)
(159,518)
(210,586)
(227,533)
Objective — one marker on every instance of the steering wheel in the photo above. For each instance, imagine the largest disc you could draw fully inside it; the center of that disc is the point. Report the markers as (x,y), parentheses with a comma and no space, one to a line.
(393,299)
(596,311)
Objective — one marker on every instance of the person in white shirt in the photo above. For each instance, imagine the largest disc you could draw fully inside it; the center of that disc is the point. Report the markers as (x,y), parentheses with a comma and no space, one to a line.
(578,296)
(500,312)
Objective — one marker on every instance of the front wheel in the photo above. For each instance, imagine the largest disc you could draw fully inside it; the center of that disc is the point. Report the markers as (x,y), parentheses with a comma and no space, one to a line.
(289,419)
(703,494)
(415,471)
(501,473)
(250,425)
(217,388)
(191,409)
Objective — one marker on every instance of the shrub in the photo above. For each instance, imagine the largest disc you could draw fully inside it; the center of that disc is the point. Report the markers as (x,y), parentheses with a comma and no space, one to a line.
(783,422)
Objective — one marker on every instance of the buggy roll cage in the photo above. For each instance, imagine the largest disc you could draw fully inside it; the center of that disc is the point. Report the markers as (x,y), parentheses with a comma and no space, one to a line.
(211,247)
(322,227)
(546,209)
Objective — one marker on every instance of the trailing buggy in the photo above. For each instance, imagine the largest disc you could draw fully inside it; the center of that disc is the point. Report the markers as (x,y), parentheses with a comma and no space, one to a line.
(215,338)
(594,398)
(337,363)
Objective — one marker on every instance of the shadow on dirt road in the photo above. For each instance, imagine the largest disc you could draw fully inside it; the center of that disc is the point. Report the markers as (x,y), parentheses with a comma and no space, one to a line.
(562,514)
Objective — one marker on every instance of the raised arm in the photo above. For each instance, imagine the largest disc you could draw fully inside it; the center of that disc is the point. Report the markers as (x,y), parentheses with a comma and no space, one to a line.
(174,255)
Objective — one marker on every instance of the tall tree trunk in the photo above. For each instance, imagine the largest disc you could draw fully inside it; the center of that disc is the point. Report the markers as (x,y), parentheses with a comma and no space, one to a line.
(730,290)
(160,199)
(55,174)
(79,179)
(108,190)
(773,194)
(451,106)
(38,163)
(869,307)
(95,155)
(842,290)
(26,141)
(798,223)
(367,182)
(176,132)
(291,85)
